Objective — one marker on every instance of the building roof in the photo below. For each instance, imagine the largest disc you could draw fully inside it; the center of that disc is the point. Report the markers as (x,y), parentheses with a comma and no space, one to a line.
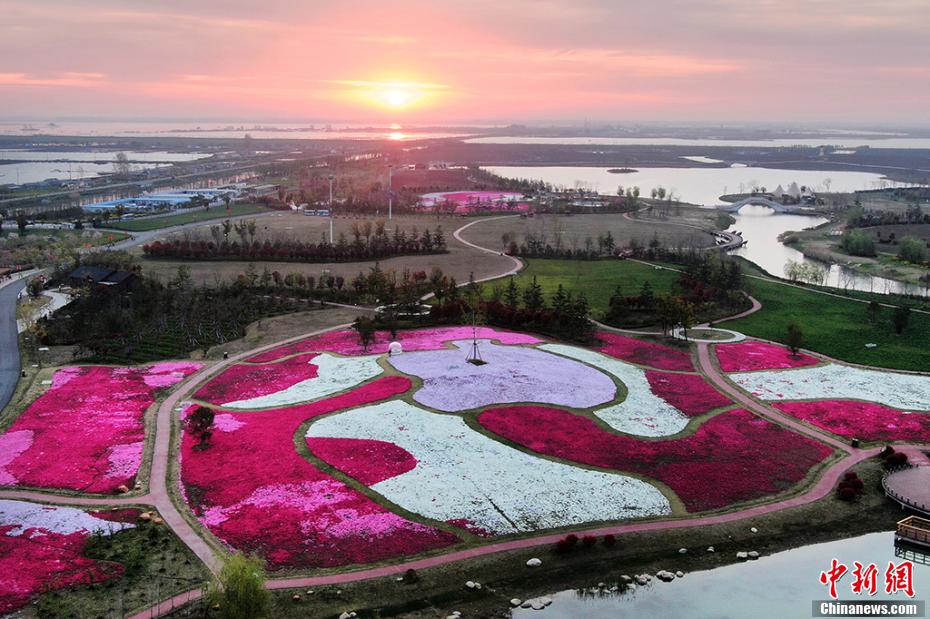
(100,275)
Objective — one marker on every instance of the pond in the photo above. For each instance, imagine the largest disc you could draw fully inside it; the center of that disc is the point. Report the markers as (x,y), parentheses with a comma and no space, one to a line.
(778,586)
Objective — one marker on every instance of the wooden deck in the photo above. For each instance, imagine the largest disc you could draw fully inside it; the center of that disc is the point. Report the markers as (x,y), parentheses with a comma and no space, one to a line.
(914,530)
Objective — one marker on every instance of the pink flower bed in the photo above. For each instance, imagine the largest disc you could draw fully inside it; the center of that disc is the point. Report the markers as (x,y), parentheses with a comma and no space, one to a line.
(35,559)
(864,420)
(86,432)
(644,353)
(466,201)
(255,492)
(753,355)
(733,457)
(689,393)
(366,460)
(243,381)
(346,342)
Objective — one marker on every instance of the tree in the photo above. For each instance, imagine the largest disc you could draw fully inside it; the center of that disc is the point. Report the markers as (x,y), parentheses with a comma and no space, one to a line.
(618,308)
(239,589)
(365,327)
(201,422)
(900,318)
(874,309)
(912,249)
(512,294)
(794,339)
(532,296)
(647,297)
(21,222)
(121,167)
(858,243)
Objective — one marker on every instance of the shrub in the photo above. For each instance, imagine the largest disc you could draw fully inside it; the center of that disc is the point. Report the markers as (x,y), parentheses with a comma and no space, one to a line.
(846,493)
(609,540)
(563,547)
(588,541)
(912,250)
(571,539)
(858,243)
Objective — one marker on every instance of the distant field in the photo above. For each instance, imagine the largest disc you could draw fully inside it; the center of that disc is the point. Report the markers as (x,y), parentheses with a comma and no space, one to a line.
(597,278)
(215,212)
(575,229)
(88,236)
(837,327)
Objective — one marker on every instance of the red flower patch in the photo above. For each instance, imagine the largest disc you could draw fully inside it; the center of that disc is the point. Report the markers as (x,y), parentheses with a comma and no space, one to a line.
(366,460)
(864,420)
(644,353)
(753,355)
(253,490)
(346,342)
(689,393)
(86,432)
(732,458)
(40,560)
(244,382)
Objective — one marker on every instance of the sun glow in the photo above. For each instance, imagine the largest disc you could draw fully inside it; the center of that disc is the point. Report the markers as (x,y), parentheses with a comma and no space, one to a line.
(394,95)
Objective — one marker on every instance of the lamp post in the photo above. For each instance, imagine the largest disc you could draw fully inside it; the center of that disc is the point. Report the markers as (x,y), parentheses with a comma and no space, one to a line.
(390,189)
(331,179)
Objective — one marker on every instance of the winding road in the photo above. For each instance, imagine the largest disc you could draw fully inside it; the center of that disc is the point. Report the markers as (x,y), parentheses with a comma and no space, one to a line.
(163,477)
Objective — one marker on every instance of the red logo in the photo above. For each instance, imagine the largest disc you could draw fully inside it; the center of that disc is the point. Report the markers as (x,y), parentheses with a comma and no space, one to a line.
(898,578)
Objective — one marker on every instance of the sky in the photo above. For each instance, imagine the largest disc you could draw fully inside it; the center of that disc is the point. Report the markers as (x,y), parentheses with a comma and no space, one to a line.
(444,62)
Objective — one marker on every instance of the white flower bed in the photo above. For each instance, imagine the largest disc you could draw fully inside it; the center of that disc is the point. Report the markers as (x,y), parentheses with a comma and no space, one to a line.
(642,412)
(512,374)
(334,374)
(24,516)
(839,382)
(464,475)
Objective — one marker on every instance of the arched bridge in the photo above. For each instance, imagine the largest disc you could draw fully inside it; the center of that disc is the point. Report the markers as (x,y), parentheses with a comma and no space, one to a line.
(778,207)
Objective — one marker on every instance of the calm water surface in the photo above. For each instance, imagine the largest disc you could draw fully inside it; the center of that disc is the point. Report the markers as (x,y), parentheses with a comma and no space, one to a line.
(780,586)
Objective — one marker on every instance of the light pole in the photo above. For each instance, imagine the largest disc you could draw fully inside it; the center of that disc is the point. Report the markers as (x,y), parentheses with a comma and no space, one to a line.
(390,189)
(331,179)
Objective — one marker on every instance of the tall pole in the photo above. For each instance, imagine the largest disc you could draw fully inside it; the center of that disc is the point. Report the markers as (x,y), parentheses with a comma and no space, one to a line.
(331,178)
(390,189)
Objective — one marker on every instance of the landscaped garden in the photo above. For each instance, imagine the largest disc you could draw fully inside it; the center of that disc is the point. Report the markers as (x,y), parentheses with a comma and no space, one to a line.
(380,455)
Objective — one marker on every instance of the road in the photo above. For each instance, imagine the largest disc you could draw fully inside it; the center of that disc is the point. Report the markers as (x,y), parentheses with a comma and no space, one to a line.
(9,340)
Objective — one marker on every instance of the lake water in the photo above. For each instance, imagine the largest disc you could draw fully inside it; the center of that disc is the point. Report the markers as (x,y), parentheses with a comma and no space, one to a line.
(760,226)
(76,165)
(694,185)
(837,141)
(780,586)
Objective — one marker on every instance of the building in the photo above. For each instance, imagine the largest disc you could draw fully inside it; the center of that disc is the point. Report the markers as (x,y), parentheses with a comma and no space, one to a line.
(104,277)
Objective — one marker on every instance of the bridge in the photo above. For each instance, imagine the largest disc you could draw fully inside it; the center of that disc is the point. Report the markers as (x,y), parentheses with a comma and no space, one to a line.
(778,207)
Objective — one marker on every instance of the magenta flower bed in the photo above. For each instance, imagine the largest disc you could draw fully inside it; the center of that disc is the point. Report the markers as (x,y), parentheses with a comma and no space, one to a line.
(689,393)
(864,420)
(36,560)
(346,342)
(754,355)
(86,432)
(243,381)
(366,460)
(644,353)
(255,492)
(733,457)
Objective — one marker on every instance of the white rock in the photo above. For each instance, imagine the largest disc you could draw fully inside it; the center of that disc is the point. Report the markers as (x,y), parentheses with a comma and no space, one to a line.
(626,579)
(665,576)
(345,615)
(631,587)
(516,602)
(641,579)
(752,554)
(615,588)
(534,562)
(742,556)
(601,585)
(470,584)
(477,585)
(710,549)
(526,604)
(682,551)
(754,530)
(537,605)
(680,574)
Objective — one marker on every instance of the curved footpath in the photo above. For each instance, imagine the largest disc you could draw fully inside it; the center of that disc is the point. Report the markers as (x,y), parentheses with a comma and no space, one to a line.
(160,479)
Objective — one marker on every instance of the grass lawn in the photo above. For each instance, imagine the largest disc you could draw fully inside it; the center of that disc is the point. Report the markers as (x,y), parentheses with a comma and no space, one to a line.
(837,327)
(596,278)
(156,223)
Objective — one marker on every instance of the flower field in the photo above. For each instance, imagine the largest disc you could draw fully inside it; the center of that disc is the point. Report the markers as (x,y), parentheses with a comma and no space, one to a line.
(863,420)
(644,353)
(752,355)
(346,342)
(511,374)
(839,382)
(332,375)
(256,493)
(465,201)
(689,393)
(460,474)
(731,458)
(642,412)
(86,432)
(244,381)
(41,550)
